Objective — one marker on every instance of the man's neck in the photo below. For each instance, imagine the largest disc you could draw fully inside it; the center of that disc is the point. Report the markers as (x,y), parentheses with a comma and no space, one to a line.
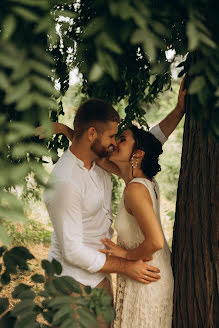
(83,152)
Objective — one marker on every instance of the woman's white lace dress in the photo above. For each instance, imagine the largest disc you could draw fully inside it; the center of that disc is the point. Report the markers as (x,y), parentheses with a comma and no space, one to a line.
(139,305)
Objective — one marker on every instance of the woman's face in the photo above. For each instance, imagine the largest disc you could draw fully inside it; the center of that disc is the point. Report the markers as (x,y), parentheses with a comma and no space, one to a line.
(125,144)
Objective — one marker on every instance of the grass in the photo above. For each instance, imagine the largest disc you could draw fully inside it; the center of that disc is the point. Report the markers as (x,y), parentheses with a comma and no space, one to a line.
(32,232)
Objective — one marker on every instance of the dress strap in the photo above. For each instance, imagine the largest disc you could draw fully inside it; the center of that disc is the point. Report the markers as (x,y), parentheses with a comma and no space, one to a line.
(152,186)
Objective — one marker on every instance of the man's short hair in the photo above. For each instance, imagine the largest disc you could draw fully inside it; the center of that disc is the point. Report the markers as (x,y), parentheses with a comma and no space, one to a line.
(91,113)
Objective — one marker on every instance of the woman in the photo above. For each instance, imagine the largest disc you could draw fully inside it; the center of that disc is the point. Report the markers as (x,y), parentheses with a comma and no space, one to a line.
(140,234)
(139,230)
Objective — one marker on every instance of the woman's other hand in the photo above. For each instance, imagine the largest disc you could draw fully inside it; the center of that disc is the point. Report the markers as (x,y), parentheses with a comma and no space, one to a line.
(113,249)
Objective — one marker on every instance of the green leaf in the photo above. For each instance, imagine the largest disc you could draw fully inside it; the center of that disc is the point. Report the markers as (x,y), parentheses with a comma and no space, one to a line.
(38,278)
(87,319)
(21,72)
(48,268)
(106,299)
(41,68)
(196,85)
(4,81)
(59,301)
(82,301)
(87,289)
(12,215)
(161,29)
(171,215)
(25,103)
(28,294)
(109,314)
(17,257)
(4,237)
(20,289)
(96,24)
(57,267)
(48,316)
(106,41)
(43,293)
(27,320)
(26,14)
(17,92)
(71,284)
(207,41)
(200,26)
(149,41)
(96,72)
(107,63)
(64,313)
(42,54)
(4,304)
(24,129)
(25,305)
(8,61)
(21,150)
(193,35)
(33,3)
(66,286)
(9,26)
(7,321)
(69,323)
(61,286)
(44,102)
(5,278)
(212,76)
(2,250)
(44,25)
(44,85)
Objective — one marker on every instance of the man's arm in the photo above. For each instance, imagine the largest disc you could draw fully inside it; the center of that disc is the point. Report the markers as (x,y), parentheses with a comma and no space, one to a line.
(65,211)
(171,121)
(64,208)
(137,270)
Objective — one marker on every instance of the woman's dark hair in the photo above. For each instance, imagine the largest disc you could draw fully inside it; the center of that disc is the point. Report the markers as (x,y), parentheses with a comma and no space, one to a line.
(152,147)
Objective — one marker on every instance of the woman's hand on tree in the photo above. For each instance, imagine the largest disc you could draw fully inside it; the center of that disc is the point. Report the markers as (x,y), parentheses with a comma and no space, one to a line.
(181,95)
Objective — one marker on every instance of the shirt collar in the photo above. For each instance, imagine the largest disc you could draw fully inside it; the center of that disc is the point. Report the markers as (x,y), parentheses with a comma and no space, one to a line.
(79,162)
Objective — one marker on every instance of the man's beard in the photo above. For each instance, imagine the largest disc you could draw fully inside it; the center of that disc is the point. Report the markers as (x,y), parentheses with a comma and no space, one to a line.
(99,149)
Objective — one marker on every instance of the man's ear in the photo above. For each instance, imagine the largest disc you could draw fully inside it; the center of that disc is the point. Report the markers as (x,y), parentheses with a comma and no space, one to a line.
(91,134)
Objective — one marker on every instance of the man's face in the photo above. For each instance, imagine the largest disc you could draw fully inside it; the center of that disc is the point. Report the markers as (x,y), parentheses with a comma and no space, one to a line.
(105,140)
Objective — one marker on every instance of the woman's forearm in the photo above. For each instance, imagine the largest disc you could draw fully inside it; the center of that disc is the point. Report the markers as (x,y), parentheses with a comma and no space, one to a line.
(144,251)
(64,129)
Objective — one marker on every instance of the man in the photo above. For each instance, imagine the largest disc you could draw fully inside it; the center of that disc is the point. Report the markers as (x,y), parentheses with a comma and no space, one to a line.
(79,204)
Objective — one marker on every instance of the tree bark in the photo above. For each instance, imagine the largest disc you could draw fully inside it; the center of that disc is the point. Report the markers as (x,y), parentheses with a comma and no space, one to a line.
(195,257)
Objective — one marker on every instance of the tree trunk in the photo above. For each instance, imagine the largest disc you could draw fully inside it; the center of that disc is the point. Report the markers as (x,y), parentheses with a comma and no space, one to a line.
(195,250)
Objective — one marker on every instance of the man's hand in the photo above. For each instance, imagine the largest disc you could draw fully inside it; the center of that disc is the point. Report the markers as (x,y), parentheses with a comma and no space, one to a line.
(181,96)
(40,132)
(142,272)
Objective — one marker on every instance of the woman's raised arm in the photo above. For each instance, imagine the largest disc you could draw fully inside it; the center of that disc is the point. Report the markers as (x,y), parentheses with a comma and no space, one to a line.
(57,128)
(106,164)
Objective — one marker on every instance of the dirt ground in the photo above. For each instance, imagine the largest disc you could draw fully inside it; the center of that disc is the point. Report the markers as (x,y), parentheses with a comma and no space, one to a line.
(40,252)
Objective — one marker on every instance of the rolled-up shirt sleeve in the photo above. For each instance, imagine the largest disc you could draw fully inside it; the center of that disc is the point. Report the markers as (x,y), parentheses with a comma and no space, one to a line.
(65,211)
(156,131)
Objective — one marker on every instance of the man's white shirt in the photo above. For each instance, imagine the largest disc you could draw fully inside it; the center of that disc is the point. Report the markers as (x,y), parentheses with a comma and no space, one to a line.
(79,206)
